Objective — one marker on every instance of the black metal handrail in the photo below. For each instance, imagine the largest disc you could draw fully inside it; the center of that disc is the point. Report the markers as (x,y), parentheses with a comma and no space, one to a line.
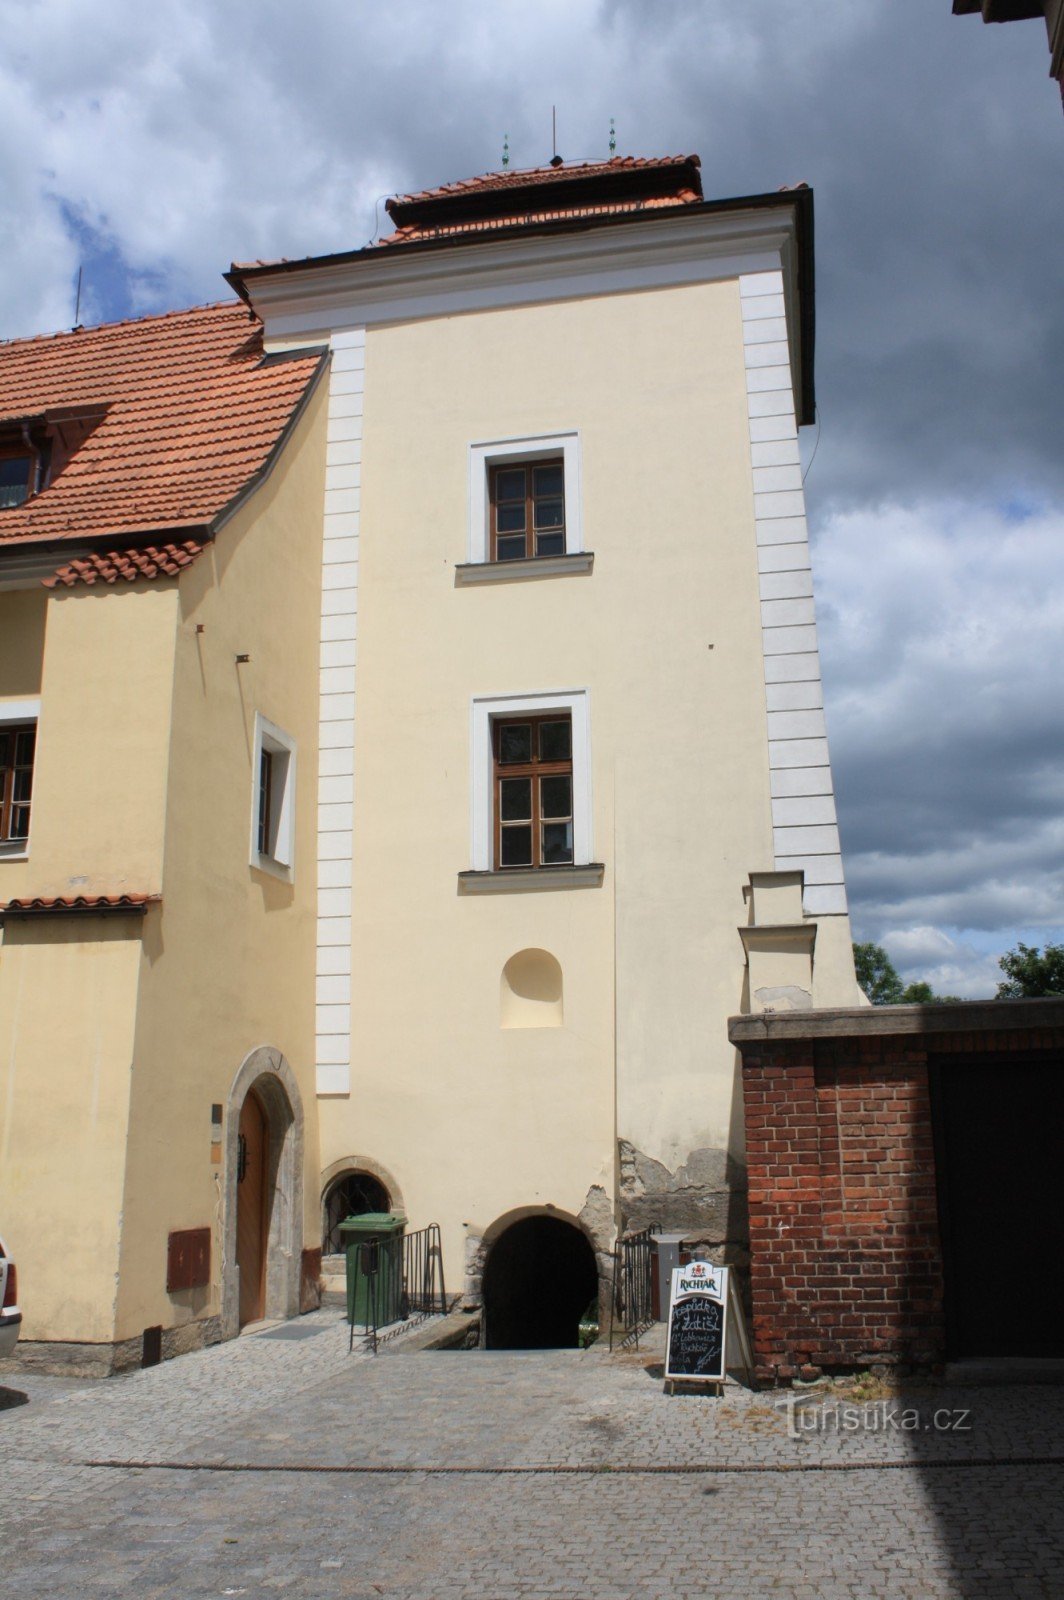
(404,1279)
(631,1303)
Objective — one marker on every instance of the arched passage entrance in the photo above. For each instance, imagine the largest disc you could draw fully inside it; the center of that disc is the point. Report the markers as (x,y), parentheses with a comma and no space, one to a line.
(263,1240)
(539,1279)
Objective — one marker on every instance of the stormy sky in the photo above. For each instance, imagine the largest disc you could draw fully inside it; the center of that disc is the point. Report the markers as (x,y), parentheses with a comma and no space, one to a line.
(153,144)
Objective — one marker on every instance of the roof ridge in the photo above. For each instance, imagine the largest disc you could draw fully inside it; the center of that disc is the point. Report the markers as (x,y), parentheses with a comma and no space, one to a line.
(125,322)
(565,169)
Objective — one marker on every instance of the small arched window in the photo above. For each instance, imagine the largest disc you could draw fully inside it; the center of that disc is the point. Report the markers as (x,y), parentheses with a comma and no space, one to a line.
(352,1194)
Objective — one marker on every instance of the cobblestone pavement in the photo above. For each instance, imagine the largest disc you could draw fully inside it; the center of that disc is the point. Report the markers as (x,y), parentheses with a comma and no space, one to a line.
(280,1465)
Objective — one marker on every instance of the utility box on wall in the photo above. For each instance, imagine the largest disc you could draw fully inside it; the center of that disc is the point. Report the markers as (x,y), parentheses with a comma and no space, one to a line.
(188,1260)
(667,1253)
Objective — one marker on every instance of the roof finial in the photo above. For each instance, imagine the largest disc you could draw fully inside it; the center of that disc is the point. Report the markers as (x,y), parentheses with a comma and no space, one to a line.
(506,150)
(555,160)
(613,140)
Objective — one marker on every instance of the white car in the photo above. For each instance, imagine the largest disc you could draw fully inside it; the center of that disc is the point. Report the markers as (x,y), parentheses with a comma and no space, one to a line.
(10,1315)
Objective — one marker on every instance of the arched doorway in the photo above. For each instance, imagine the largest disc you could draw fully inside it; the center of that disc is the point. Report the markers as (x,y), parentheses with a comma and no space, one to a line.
(252,1206)
(352,1194)
(263,1239)
(539,1278)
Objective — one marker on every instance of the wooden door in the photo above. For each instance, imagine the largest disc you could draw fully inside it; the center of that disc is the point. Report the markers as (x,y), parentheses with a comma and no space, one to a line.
(251,1207)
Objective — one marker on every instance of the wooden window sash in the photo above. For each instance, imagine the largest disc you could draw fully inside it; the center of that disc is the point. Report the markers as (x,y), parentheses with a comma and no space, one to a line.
(9,806)
(28,480)
(534,770)
(265,790)
(528,468)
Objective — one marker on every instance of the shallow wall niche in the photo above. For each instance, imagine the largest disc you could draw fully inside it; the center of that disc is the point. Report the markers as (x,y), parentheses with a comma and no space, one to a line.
(530,991)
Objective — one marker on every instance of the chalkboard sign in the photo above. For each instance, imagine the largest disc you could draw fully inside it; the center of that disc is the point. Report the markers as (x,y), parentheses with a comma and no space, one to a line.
(697,1324)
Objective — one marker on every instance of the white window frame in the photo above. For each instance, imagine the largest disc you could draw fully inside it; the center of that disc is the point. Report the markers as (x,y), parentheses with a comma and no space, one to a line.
(486,709)
(14,711)
(498,452)
(281,860)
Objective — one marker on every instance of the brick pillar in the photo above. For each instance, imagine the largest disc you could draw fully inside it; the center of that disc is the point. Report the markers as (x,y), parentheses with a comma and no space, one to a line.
(845,1255)
(784,1197)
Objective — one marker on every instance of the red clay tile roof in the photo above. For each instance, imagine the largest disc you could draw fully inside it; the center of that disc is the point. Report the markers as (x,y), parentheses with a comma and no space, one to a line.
(80,905)
(503,200)
(524,177)
(151,561)
(193,412)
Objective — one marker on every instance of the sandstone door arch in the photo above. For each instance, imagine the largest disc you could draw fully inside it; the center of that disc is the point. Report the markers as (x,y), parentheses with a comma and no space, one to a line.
(265,1086)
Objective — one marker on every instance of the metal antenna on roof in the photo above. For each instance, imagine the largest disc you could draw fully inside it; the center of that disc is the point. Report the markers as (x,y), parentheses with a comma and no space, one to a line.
(555,160)
(506,149)
(613,140)
(77,301)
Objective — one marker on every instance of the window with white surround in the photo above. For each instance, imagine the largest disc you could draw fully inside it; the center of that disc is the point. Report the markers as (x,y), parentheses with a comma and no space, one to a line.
(524,502)
(273,799)
(556,727)
(18,741)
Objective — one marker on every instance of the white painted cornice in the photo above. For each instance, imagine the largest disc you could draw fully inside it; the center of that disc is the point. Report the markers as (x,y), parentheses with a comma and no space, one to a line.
(396,284)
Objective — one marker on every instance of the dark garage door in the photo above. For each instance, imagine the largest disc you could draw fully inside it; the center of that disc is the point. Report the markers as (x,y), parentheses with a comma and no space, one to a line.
(999,1139)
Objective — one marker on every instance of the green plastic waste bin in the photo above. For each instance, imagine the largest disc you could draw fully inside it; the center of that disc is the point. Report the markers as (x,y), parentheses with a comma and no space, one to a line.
(374,1267)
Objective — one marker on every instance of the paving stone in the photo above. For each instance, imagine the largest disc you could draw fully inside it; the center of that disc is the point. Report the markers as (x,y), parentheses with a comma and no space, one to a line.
(565,1490)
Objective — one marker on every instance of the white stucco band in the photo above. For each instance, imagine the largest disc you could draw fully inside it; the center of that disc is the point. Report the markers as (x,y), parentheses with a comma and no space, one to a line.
(804,825)
(336,727)
(484,709)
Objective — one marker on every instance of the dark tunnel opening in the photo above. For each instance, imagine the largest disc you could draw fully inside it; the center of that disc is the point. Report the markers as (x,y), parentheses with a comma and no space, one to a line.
(539,1279)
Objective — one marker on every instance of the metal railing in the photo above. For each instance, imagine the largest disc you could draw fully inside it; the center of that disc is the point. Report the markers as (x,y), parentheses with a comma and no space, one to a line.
(402,1280)
(631,1303)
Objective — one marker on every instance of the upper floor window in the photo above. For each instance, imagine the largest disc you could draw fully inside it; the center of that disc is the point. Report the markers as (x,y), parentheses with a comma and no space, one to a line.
(16,474)
(17,744)
(533,791)
(273,811)
(525,513)
(527,510)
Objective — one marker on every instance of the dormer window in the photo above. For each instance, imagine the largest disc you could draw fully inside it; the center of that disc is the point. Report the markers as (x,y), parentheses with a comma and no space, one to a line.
(34,450)
(16,478)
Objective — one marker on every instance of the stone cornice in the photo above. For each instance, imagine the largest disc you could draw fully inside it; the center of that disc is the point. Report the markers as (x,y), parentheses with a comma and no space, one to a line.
(954,1017)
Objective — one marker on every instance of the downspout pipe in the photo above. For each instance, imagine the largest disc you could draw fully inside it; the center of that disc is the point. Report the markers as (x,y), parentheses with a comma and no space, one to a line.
(35,452)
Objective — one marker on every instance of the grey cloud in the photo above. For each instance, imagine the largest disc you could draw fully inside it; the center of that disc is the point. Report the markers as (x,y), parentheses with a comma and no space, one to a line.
(188,133)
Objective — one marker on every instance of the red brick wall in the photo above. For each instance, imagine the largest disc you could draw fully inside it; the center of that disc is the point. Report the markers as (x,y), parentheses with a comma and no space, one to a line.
(846,1262)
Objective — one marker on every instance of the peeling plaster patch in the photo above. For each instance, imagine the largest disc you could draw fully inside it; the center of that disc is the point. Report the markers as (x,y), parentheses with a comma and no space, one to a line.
(705,1167)
(596,1219)
(475,1256)
(599,1223)
(787,997)
(705,1196)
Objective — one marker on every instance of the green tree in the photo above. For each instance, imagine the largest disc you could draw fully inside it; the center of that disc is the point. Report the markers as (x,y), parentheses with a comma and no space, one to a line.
(877,974)
(1031,972)
(878,977)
